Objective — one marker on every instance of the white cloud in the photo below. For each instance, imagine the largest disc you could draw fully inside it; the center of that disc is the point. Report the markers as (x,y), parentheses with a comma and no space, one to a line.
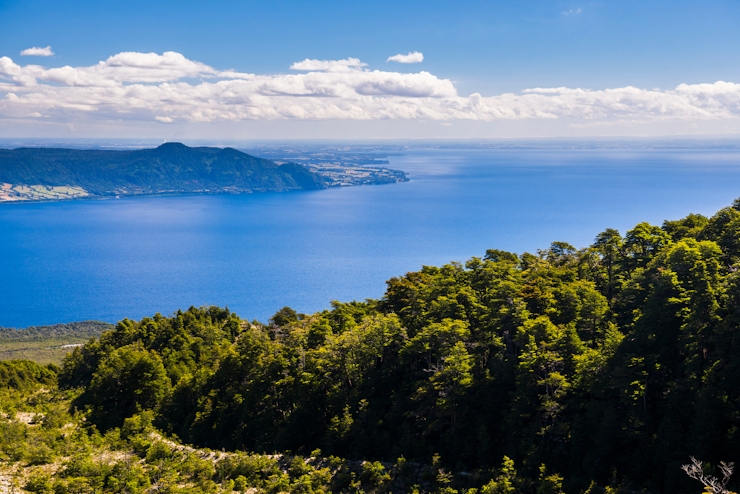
(129,67)
(329,65)
(151,87)
(410,57)
(37,52)
(571,11)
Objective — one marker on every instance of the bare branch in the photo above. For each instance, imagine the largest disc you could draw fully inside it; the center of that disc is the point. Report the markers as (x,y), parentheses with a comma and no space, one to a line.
(726,469)
(716,486)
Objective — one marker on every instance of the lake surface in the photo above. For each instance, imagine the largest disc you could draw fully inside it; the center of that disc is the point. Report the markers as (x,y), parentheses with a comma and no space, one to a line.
(110,259)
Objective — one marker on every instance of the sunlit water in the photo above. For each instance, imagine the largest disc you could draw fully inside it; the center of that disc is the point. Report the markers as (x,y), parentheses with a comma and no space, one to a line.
(111,259)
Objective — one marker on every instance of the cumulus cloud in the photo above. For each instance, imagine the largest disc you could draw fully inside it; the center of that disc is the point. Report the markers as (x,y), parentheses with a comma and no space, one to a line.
(37,52)
(410,57)
(329,65)
(170,88)
(126,67)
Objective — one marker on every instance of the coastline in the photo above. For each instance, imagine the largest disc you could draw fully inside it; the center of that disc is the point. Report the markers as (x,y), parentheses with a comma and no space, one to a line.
(106,197)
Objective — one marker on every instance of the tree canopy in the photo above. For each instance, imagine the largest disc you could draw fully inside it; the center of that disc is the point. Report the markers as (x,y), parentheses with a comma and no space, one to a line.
(606,365)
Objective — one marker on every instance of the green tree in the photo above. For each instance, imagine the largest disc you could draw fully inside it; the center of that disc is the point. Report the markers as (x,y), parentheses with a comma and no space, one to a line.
(128,380)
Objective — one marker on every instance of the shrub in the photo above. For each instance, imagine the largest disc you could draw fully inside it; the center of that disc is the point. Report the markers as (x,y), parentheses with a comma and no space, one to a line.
(240,484)
(24,374)
(374,474)
(39,483)
(158,451)
(73,485)
(255,469)
(40,454)
(298,467)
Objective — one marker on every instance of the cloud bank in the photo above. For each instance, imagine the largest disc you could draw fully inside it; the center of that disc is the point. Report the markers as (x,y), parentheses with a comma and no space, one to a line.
(410,57)
(171,88)
(37,52)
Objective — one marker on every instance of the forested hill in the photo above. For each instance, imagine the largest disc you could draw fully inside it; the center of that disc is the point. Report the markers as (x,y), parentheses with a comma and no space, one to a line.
(577,371)
(169,168)
(562,371)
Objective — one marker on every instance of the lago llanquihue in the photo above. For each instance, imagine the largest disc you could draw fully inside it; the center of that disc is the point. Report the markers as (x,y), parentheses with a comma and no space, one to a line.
(255,253)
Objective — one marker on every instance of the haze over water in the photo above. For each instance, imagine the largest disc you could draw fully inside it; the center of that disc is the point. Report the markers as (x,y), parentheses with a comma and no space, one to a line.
(69,261)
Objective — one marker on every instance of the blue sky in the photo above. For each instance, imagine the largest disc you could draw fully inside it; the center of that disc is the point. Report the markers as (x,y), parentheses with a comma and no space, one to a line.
(485,47)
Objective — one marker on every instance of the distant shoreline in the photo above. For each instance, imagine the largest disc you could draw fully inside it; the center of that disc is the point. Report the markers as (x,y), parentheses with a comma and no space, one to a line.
(131,196)
(58,174)
(169,194)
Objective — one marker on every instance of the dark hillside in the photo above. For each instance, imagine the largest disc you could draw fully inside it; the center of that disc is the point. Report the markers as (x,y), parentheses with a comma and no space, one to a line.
(171,167)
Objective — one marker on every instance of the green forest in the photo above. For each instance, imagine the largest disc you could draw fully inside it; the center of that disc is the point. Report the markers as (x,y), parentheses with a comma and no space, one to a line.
(596,370)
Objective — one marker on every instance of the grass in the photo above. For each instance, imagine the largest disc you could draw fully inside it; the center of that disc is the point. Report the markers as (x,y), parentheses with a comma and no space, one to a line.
(50,351)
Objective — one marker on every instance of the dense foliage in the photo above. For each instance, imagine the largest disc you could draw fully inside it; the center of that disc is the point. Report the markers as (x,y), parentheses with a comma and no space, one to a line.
(45,450)
(24,375)
(605,366)
(172,167)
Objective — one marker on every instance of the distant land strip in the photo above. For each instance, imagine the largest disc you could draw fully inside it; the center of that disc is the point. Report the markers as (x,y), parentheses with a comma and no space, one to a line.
(39,174)
(48,344)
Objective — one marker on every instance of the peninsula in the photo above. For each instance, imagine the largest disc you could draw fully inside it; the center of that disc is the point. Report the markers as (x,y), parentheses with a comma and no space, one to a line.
(28,174)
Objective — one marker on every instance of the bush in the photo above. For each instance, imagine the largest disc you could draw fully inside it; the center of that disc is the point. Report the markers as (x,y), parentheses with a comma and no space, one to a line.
(197,469)
(298,467)
(83,465)
(241,484)
(55,418)
(40,454)
(24,375)
(73,485)
(255,469)
(158,451)
(128,477)
(39,483)
(374,474)
(12,440)
(277,483)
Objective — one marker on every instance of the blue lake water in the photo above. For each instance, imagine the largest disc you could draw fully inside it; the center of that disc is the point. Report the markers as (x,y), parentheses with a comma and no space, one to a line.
(110,259)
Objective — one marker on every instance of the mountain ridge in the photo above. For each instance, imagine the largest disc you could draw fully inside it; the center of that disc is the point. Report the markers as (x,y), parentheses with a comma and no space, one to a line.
(52,173)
